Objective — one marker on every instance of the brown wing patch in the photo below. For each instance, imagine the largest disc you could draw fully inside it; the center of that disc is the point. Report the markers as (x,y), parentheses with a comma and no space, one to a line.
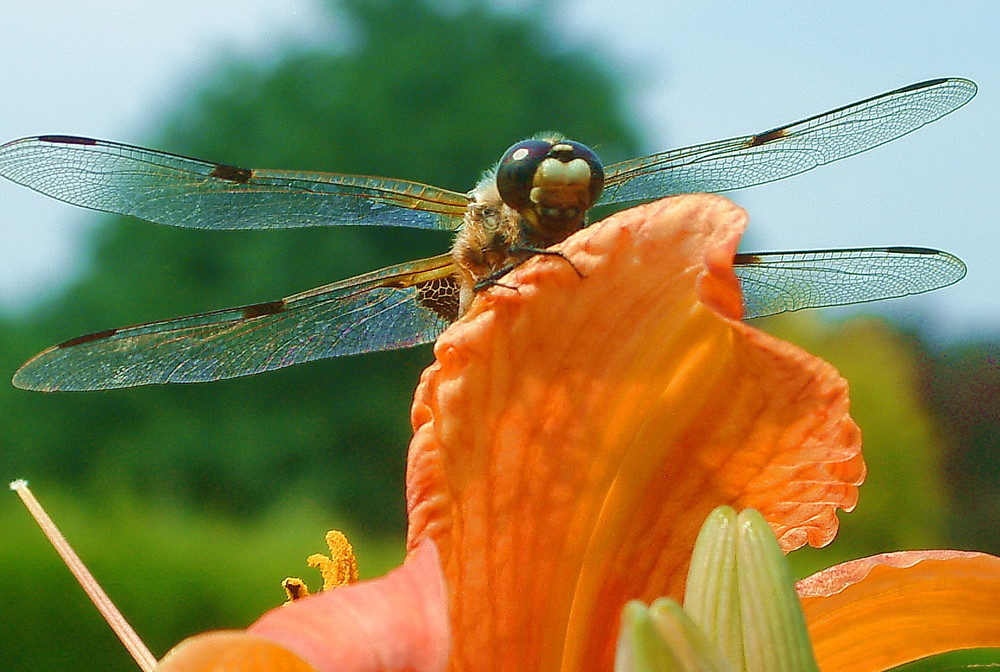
(435,282)
(770,136)
(259,309)
(441,296)
(232,173)
(67,139)
(87,338)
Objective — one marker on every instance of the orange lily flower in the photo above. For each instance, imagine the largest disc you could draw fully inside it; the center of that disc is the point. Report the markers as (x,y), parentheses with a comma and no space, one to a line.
(570,439)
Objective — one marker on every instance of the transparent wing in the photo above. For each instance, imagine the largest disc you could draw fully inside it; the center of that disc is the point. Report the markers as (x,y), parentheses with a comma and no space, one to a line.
(788,150)
(395,307)
(181,191)
(779,282)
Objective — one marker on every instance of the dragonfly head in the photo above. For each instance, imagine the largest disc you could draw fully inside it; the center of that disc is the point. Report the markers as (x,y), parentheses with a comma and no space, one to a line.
(551,182)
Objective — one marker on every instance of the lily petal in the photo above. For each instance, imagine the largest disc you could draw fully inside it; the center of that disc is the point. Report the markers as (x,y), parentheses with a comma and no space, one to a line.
(231,651)
(886,610)
(392,624)
(574,432)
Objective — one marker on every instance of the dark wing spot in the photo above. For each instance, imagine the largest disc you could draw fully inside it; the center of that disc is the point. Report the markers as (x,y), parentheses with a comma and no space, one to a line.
(746,259)
(231,173)
(921,85)
(259,309)
(913,250)
(88,338)
(441,296)
(770,136)
(67,139)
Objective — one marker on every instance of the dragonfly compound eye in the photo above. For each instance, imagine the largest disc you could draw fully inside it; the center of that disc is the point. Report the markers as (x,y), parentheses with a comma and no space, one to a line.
(550,179)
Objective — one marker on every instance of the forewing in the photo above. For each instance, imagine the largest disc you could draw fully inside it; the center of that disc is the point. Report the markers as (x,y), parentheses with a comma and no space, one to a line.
(395,307)
(778,282)
(181,191)
(788,150)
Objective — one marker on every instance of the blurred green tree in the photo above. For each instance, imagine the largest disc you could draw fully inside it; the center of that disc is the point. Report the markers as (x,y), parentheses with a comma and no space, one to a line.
(963,381)
(410,89)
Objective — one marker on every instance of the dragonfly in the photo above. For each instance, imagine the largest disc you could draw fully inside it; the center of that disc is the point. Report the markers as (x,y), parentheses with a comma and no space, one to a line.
(539,193)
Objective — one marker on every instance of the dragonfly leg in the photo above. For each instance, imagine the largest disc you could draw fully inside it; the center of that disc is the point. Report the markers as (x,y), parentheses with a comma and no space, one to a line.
(492,280)
(551,253)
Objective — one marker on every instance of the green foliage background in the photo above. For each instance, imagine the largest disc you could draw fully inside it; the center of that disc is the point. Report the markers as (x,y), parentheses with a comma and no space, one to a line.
(193,502)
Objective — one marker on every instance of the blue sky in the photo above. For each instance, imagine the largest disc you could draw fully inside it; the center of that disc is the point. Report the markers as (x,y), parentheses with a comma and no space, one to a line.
(697,72)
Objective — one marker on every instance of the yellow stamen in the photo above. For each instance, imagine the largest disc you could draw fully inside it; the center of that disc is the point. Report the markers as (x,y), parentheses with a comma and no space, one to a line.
(295,588)
(340,568)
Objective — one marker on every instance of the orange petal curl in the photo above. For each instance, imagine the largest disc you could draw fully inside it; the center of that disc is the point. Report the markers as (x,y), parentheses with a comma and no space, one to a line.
(890,609)
(231,651)
(574,432)
(397,623)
